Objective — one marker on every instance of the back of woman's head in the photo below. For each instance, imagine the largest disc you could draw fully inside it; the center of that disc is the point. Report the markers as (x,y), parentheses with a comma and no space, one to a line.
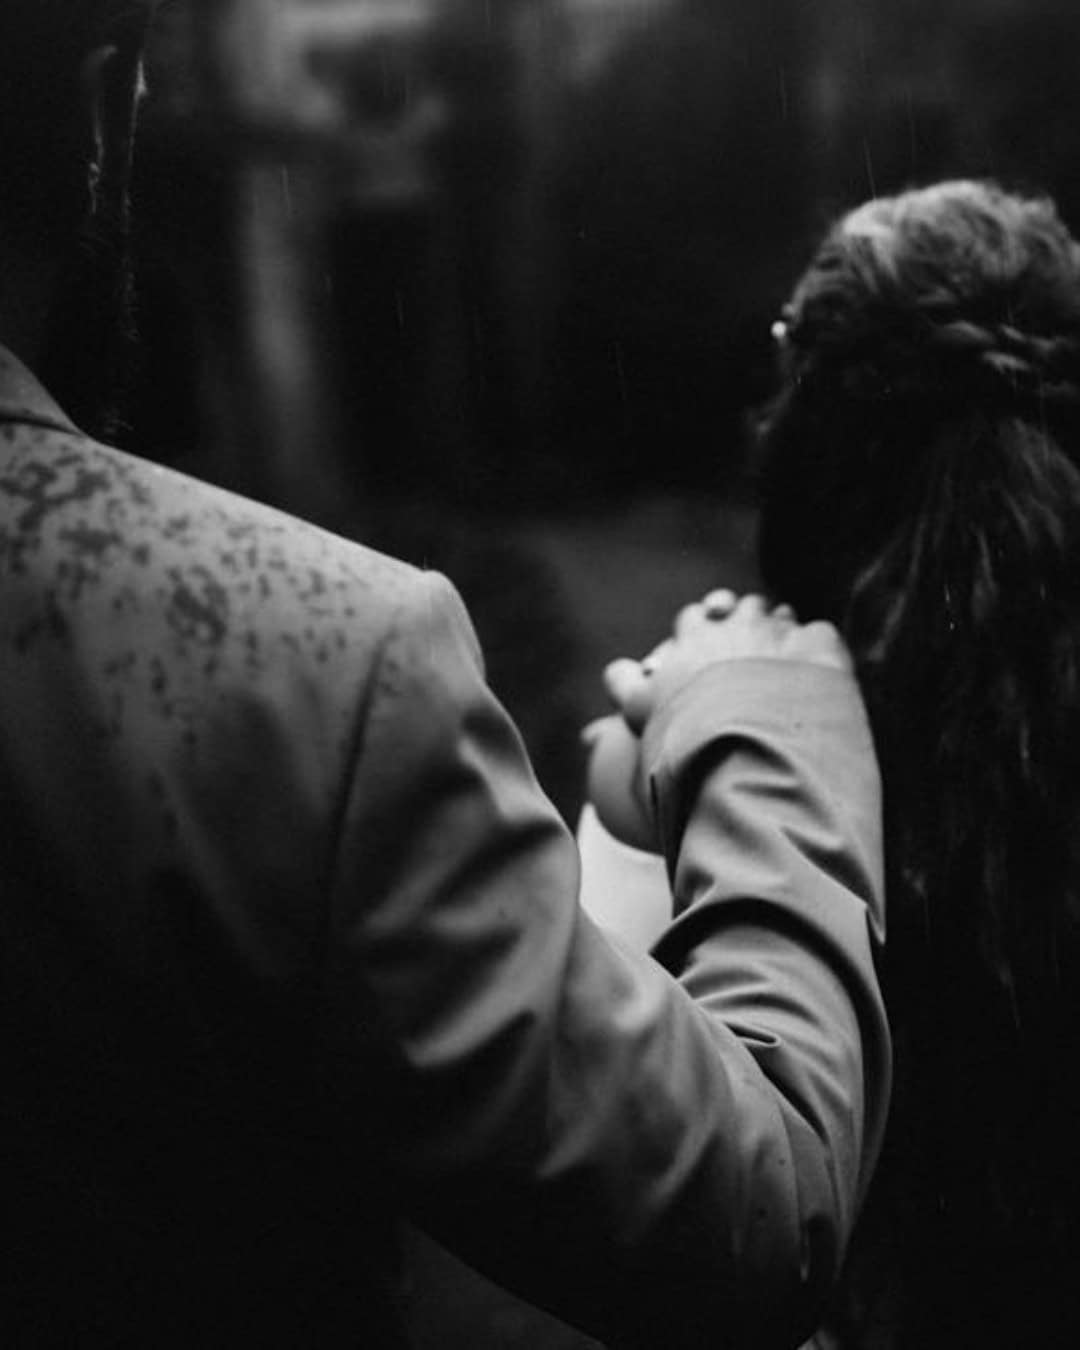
(921,488)
(930,330)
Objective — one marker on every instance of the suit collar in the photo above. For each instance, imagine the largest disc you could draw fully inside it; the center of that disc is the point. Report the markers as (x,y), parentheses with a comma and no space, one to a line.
(23,399)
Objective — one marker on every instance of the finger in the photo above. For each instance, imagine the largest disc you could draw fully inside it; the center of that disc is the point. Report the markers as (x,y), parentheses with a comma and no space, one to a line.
(751,606)
(719,604)
(622,678)
(689,618)
(629,688)
(651,664)
(785,612)
(822,642)
(593,730)
(822,631)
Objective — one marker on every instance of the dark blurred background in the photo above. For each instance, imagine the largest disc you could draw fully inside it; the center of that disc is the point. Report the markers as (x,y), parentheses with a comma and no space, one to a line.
(585,314)
(540,370)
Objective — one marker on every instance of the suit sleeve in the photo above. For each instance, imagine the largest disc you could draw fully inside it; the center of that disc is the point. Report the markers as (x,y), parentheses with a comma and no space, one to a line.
(662,1156)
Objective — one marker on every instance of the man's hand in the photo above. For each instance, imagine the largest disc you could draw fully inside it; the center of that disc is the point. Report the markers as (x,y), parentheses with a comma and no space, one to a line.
(719,628)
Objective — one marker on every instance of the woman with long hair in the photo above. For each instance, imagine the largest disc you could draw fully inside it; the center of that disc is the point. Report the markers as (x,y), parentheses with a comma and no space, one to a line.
(920,489)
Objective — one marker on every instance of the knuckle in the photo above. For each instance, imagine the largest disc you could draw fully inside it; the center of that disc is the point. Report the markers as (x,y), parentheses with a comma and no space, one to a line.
(749,610)
(688,616)
(825,637)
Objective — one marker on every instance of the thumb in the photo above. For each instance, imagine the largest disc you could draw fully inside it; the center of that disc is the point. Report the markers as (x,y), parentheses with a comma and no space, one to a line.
(628,688)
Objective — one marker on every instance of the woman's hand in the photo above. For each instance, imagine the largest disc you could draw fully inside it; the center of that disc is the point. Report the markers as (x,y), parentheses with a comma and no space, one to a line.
(613,782)
(718,629)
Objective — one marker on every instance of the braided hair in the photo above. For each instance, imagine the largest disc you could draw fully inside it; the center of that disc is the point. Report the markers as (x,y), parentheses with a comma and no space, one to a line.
(921,489)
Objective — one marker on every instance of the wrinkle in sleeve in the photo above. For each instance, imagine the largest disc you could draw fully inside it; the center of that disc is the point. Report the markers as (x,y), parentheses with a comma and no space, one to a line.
(780,861)
(559,1110)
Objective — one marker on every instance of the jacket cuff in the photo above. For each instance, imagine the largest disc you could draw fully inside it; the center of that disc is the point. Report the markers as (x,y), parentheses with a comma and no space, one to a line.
(765,702)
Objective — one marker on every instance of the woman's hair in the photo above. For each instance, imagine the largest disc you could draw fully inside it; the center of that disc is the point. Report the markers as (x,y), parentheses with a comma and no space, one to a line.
(921,489)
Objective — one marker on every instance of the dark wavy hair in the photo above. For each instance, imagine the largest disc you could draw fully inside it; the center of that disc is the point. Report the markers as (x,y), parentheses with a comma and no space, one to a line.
(921,489)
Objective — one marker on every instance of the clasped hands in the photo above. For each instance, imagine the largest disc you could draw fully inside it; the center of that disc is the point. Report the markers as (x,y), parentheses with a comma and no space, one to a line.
(720,628)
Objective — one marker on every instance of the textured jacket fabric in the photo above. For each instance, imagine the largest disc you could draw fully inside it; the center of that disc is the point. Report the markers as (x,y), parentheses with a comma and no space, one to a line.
(290,947)
(811,1034)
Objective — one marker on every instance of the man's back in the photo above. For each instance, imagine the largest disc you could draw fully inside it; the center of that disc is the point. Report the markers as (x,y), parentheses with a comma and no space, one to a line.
(180,675)
(289,946)
(289,939)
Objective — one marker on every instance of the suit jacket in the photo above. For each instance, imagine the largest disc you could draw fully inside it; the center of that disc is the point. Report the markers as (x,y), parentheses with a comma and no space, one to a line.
(290,947)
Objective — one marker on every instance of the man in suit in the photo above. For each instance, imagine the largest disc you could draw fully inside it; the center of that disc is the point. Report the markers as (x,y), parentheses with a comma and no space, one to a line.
(289,940)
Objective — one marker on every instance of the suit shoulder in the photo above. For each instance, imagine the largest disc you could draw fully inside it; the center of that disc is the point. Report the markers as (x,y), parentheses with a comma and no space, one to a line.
(91,513)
